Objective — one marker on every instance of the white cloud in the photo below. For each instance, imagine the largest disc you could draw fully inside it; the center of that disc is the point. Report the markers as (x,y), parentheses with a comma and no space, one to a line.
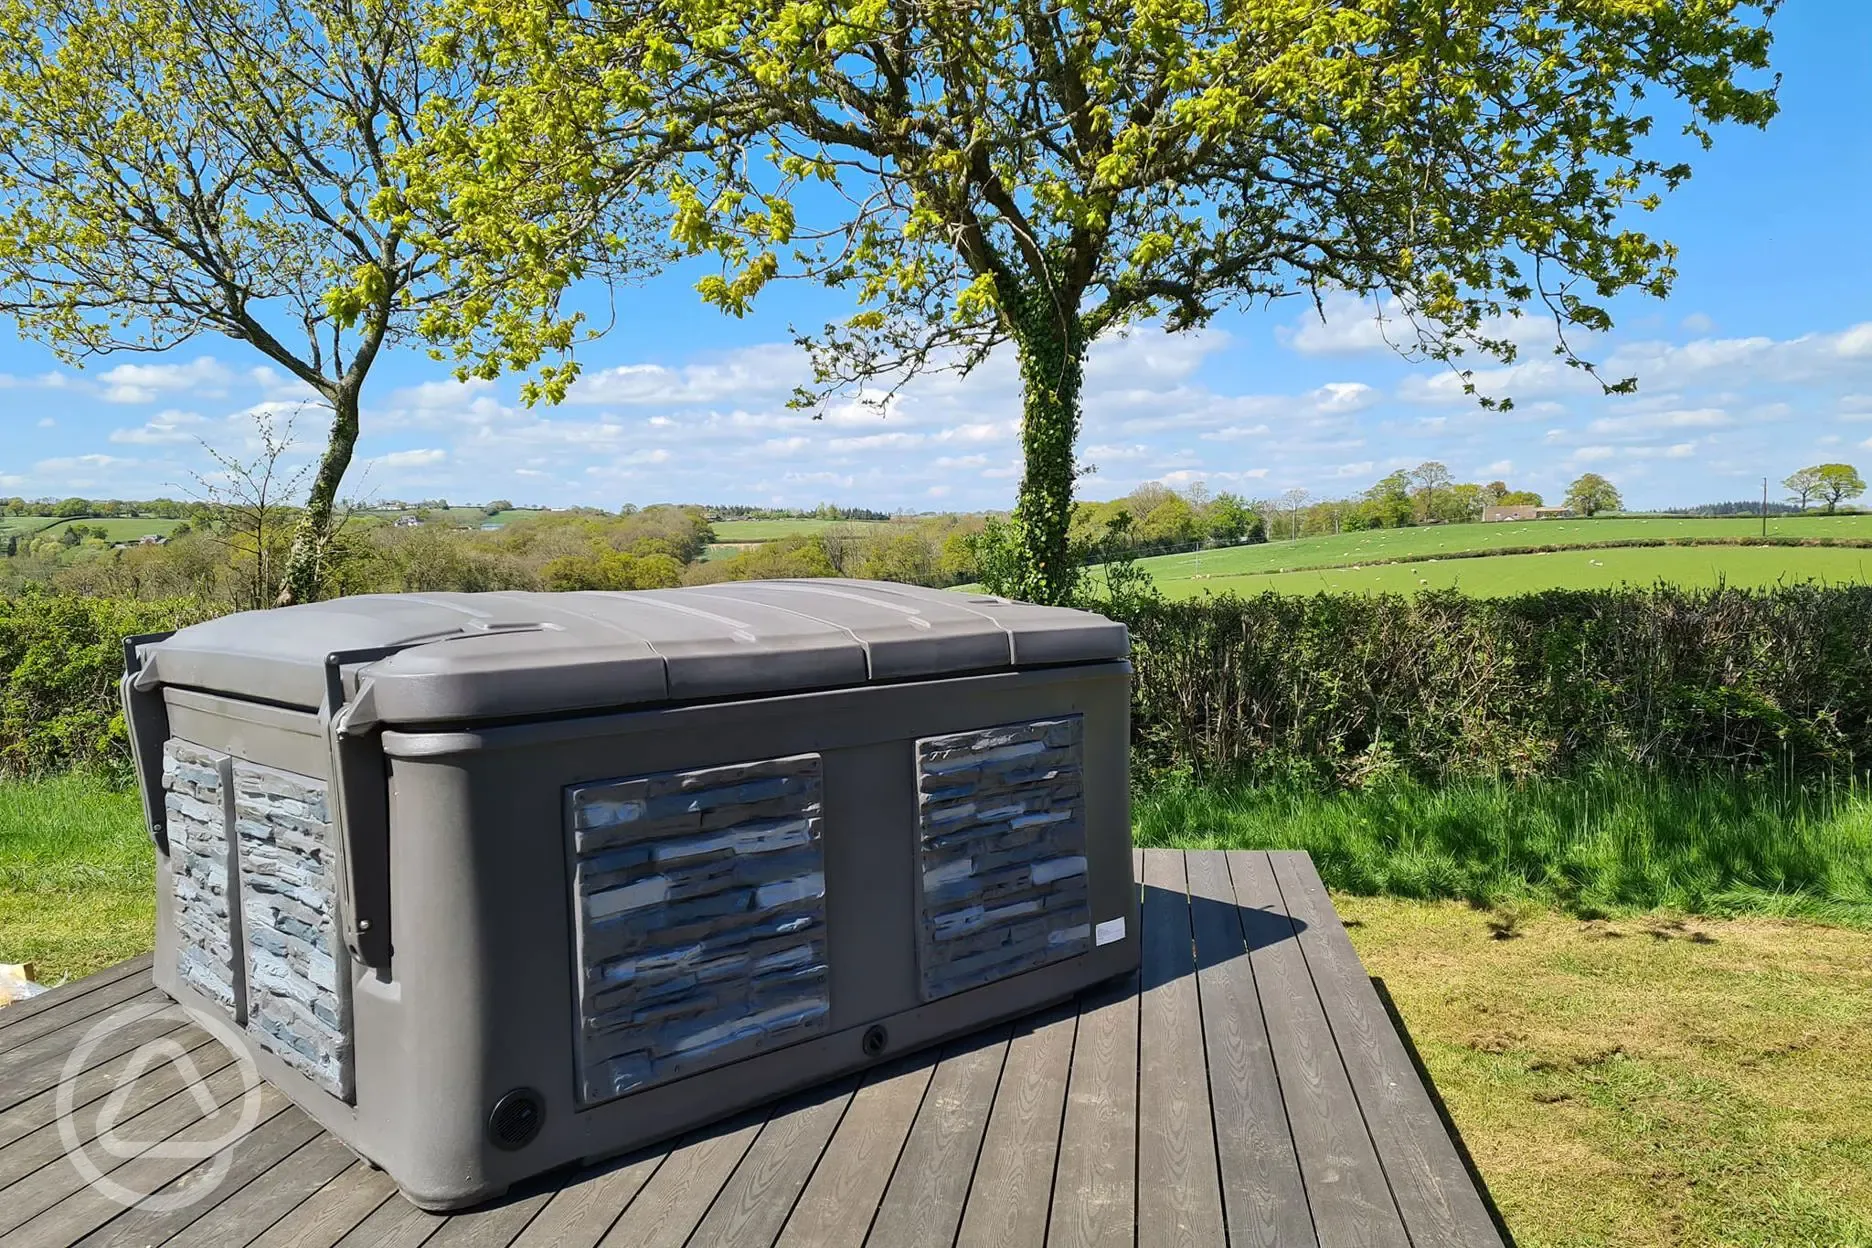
(1594,454)
(44,381)
(277,385)
(1346,325)
(1645,422)
(422,457)
(1354,326)
(772,370)
(165,428)
(1234,433)
(1344,396)
(81,461)
(143,383)
(46,422)
(1500,468)
(1698,323)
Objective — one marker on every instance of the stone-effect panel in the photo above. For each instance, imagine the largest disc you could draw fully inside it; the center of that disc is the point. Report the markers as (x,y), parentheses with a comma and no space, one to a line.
(194,796)
(299,996)
(700,898)
(1003,849)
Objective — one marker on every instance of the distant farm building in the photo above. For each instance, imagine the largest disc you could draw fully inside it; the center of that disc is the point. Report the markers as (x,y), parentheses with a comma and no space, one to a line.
(1519,512)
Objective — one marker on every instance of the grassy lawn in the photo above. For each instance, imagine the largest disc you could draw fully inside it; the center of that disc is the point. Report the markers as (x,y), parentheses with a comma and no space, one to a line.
(1606,844)
(77,872)
(1643,1082)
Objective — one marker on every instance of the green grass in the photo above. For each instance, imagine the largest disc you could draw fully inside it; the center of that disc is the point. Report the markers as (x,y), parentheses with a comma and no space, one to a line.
(1215,569)
(1496,576)
(77,872)
(1643,1082)
(120,528)
(1608,843)
(23,526)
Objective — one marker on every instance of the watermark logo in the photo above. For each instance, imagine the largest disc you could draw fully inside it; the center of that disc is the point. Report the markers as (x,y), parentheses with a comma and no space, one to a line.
(102,1133)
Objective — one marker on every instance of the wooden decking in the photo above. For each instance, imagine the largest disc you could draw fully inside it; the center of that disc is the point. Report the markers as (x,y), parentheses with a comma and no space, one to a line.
(1251,1089)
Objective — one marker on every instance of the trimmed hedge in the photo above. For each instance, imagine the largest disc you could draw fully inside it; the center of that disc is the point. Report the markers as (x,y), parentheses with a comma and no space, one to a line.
(1344,689)
(1333,689)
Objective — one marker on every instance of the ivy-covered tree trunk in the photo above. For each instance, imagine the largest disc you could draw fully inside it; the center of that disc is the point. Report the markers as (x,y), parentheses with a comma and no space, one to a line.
(312,537)
(1052,365)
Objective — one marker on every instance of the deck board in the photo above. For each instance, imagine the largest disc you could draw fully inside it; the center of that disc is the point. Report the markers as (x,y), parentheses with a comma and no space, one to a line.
(1262,1194)
(1246,1087)
(63,997)
(1432,1187)
(1008,1201)
(1179,1188)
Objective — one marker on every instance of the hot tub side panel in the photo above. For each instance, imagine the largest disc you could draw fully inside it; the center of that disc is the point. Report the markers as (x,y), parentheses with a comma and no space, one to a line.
(486,870)
(264,814)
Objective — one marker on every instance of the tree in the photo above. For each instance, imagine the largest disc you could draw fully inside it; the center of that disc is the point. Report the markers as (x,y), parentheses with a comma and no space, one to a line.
(174,168)
(988,173)
(1835,483)
(1592,494)
(1493,492)
(1388,503)
(1230,518)
(1172,520)
(1291,502)
(1802,486)
(1462,503)
(1521,498)
(1430,477)
(255,504)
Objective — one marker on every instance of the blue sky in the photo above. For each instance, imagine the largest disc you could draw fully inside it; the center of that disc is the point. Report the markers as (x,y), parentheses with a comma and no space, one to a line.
(1760,363)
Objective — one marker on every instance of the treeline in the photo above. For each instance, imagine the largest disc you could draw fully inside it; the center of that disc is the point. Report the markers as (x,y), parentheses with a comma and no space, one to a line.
(1746,507)
(824,511)
(77,508)
(230,559)
(1426,494)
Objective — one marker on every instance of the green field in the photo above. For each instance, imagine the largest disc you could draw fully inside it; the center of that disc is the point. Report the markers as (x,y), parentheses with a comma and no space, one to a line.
(120,528)
(1343,562)
(23,525)
(1499,576)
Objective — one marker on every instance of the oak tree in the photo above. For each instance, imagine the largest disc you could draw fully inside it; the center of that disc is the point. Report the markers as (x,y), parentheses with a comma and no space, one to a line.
(173,168)
(985,172)
(1835,483)
(1802,486)
(1591,494)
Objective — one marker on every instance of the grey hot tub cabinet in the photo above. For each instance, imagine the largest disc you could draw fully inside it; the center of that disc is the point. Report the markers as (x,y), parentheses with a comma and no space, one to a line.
(493,883)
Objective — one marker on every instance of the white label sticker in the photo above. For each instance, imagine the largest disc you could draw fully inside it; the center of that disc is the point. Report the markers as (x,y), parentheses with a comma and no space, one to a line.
(1109,931)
